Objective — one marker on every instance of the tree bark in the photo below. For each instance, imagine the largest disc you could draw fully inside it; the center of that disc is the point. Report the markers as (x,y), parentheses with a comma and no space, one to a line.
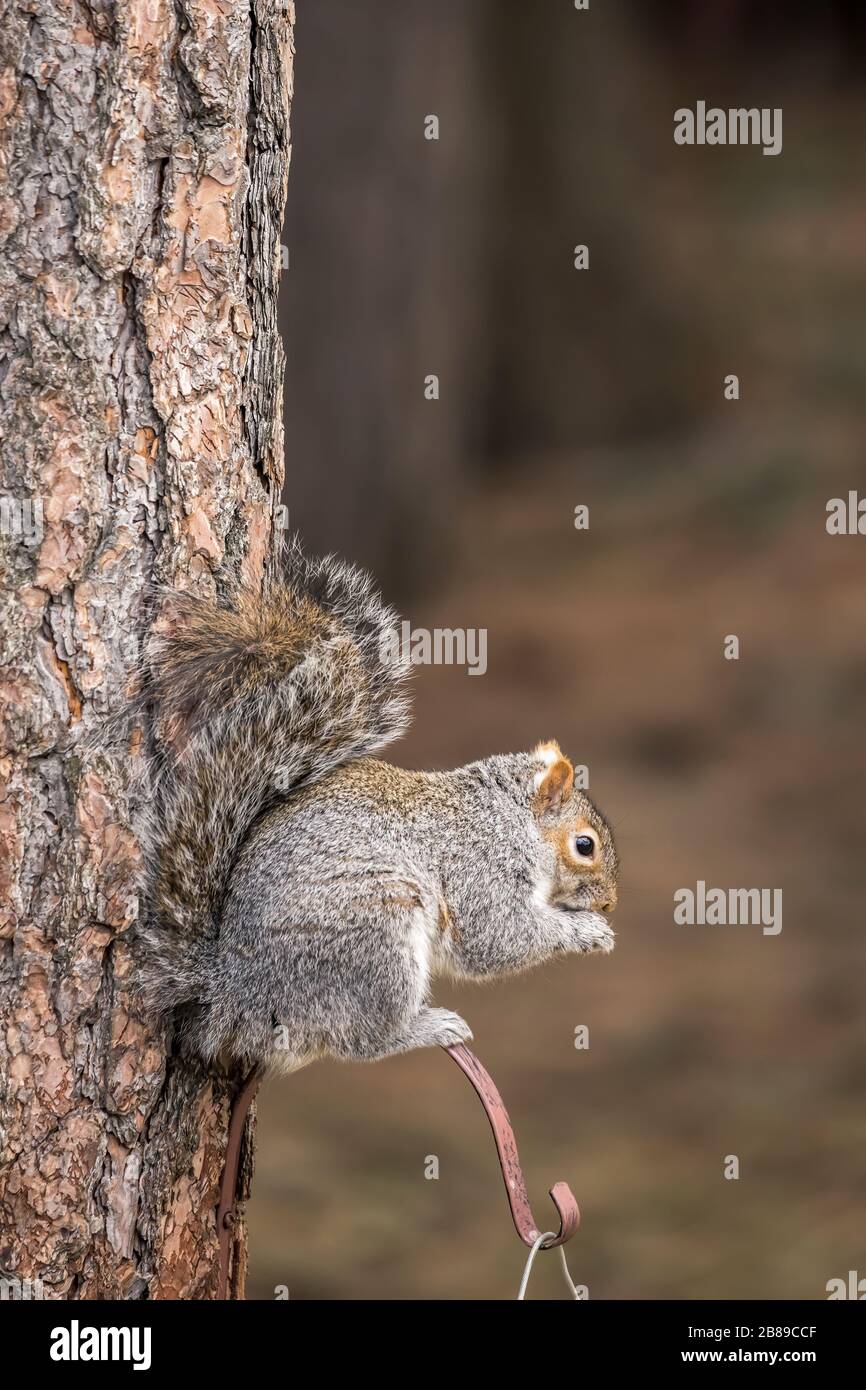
(145,151)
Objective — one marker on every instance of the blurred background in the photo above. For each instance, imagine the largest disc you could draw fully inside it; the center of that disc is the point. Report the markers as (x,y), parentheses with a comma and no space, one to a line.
(603,388)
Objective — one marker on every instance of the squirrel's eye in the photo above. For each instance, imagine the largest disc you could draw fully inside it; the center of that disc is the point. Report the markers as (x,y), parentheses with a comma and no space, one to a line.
(585,846)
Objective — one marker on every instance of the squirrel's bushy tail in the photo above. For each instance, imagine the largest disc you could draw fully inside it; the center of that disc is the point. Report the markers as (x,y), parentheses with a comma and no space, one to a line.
(251,702)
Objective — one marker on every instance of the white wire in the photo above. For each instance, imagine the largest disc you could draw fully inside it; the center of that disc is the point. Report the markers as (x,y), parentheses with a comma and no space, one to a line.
(539,1245)
(566,1276)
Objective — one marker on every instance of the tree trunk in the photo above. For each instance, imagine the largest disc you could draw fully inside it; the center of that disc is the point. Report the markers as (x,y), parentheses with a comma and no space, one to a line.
(145,149)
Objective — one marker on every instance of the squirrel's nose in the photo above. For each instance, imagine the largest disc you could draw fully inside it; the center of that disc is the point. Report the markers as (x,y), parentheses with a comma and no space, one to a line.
(607,903)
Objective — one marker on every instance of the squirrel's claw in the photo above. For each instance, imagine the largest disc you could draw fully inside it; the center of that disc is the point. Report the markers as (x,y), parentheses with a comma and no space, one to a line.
(447,1028)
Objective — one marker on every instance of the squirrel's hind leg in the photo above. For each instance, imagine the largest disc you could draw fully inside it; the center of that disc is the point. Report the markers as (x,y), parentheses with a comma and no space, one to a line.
(430,1027)
(436,1028)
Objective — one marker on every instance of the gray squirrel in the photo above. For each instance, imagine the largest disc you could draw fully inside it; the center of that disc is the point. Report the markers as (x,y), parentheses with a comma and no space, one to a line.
(304,895)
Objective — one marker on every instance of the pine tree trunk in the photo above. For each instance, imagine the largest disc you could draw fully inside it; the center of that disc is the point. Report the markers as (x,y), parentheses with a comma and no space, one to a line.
(145,154)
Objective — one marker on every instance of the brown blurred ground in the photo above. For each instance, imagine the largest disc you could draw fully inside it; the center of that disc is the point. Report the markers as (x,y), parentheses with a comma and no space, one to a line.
(707,518)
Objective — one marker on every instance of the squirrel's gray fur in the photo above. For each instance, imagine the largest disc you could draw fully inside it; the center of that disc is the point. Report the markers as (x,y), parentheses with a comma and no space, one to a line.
(303,894)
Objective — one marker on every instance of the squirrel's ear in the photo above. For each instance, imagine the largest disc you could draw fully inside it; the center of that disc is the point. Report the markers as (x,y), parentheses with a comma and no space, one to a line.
(555,779)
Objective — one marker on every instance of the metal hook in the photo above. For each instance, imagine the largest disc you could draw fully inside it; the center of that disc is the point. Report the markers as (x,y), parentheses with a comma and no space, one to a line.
(509,1160)
(226,1218)
(506,1147)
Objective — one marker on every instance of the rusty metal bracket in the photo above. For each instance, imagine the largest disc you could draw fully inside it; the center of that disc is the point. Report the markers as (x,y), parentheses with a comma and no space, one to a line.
(509,1160)
(227,1214)
(506,1147)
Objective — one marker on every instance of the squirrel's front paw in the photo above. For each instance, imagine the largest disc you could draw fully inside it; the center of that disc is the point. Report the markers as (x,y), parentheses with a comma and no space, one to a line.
(594,933)
(603,937)
(446,1028)
(606,941)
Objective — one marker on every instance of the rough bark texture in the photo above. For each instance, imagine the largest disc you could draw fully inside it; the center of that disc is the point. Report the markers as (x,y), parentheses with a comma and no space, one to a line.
(145,153)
